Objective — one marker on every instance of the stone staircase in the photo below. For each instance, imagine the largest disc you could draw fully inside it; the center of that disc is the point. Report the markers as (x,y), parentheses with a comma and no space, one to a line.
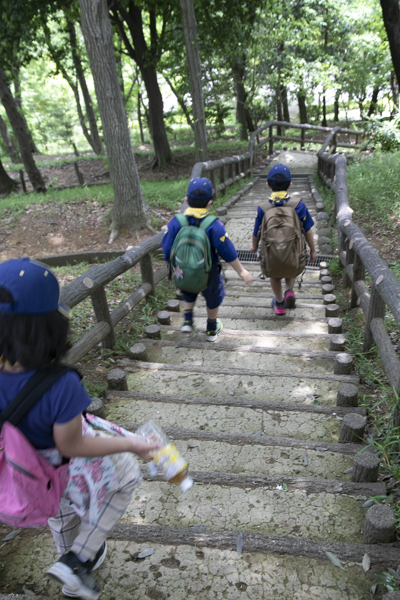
(255,414)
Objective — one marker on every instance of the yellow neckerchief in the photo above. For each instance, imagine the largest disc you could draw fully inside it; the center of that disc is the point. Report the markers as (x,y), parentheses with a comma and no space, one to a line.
(5,363)
(279,196)
(197,213)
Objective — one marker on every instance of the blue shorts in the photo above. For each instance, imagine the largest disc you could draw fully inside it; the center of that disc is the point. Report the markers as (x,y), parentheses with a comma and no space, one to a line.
(214,293)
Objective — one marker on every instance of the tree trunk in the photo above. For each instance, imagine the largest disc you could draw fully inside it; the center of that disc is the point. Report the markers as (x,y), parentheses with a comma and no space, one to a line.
(139,116)
(336,107)
(391,19)
(9,143)
(196,87)
(249,120)
(324,121)
(395,89)
(19,128)
(285,104)
(146,59)
(17,96)
(129,205)
(241,95)
(181,102)
(279,112)
(374,101)
(6,183)
(97,145)
(301,98)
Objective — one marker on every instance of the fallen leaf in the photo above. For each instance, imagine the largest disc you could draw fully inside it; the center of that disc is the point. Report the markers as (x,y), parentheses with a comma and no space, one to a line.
(366,562)
(335,560)
(145,553)
(216,510)
(347,471)
(380,278)
(373,589)
(368,503)
(11,535)
(305,459)
(320,449)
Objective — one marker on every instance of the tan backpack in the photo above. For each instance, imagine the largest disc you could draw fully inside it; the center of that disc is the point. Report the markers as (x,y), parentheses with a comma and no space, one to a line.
(283,247)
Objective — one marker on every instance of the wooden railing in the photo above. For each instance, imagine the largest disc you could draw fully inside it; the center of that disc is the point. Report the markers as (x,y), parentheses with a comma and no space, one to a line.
(359,257)
(92,283)
(226,171)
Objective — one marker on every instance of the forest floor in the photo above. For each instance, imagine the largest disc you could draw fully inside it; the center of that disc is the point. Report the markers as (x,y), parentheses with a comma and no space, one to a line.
(76,225)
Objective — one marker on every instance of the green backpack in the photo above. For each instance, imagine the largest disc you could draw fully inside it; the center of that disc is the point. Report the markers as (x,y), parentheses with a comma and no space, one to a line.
(190,257)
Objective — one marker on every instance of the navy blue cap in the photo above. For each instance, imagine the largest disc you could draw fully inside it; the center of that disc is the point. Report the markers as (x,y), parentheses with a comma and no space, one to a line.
(33,287)
(203,188)
(279,170)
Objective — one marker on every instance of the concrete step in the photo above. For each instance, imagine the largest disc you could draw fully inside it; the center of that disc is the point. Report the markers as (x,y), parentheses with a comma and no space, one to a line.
(233,310)
(268,339)
(210,381)
(257,359)
(267,320)
(229,419)
(294,513)
(196,570)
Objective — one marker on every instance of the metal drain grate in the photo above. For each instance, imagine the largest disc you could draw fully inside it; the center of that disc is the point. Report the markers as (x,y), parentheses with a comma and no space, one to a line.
(247,256)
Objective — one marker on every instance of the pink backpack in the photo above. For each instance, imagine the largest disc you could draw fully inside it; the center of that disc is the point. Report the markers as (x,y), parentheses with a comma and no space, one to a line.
(30,487)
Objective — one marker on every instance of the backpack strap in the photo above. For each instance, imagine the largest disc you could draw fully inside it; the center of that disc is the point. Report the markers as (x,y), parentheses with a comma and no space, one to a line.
(32,391)
(182,220)
(293,202)
(207,222)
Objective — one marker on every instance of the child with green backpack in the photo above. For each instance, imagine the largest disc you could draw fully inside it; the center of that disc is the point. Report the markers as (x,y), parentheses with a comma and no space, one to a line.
(192,245)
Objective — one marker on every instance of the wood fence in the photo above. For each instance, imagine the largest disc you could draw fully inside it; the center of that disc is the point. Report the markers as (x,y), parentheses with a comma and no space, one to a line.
(226,171)
(359,258)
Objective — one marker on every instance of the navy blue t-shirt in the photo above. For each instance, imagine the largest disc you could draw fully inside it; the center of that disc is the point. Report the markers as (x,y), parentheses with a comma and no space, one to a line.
(64,401)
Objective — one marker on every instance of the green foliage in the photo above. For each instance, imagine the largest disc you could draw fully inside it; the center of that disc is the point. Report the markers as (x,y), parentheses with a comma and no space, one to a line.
(374,188)
(383,135)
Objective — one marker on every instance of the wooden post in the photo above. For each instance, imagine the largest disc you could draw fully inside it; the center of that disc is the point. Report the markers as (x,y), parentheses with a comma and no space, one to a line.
(380,525)
(365,467)
(353,427)
(222,177)
(376,309)
(179,294)
(347,395)
(271,141)
(331,310)
(164,317)
(349,260)
(327,288)
(153,332)
(212,179)
(335,325)
(100,305)
(138,352)
(358,275)
(116,379)
(174,305)
(329,299)
(343,364)
(146,269)
(303,135)
(337,343)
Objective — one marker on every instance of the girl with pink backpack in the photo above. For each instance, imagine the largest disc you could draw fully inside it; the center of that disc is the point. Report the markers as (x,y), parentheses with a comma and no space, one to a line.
(53,466)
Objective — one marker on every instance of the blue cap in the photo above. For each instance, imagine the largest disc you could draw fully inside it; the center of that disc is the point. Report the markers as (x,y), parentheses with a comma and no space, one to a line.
(279,170)
(202,186)
(33,287)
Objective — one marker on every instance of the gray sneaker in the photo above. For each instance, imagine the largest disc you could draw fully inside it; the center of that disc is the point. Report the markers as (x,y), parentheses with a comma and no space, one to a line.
(92,565)
(76,577)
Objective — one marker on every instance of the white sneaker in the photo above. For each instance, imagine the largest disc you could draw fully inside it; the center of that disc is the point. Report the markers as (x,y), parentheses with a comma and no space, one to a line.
(187,327)
(94,564)
(212,335)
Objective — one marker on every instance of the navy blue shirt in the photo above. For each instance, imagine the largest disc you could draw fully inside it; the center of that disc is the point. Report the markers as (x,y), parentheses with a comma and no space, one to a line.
(219,240)
(65,400)
(306,219)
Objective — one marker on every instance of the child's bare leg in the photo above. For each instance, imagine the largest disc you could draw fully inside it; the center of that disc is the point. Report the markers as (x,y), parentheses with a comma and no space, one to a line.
(188,305)
(277,288)
(289,283)
(212,313)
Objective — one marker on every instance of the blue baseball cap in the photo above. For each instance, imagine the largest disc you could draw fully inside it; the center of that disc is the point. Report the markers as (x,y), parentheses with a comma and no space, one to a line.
(279,170)
(33,287)
(203,188)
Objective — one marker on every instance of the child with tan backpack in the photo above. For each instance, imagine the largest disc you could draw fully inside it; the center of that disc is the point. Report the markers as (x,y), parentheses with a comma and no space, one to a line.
(285,228)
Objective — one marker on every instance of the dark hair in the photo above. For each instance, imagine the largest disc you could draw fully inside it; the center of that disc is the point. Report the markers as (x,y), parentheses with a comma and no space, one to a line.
(32,341)
(279,186)
(199,201)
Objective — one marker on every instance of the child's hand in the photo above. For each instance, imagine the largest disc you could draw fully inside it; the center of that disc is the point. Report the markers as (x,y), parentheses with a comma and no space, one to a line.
(253,250)
(144,449)
(246,276)
(313,256)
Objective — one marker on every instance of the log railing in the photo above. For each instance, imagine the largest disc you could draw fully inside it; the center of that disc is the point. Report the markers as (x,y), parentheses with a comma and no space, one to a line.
(226,171)
(359,257)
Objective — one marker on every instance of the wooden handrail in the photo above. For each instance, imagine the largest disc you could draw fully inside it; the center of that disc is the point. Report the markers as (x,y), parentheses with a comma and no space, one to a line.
(358,256)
